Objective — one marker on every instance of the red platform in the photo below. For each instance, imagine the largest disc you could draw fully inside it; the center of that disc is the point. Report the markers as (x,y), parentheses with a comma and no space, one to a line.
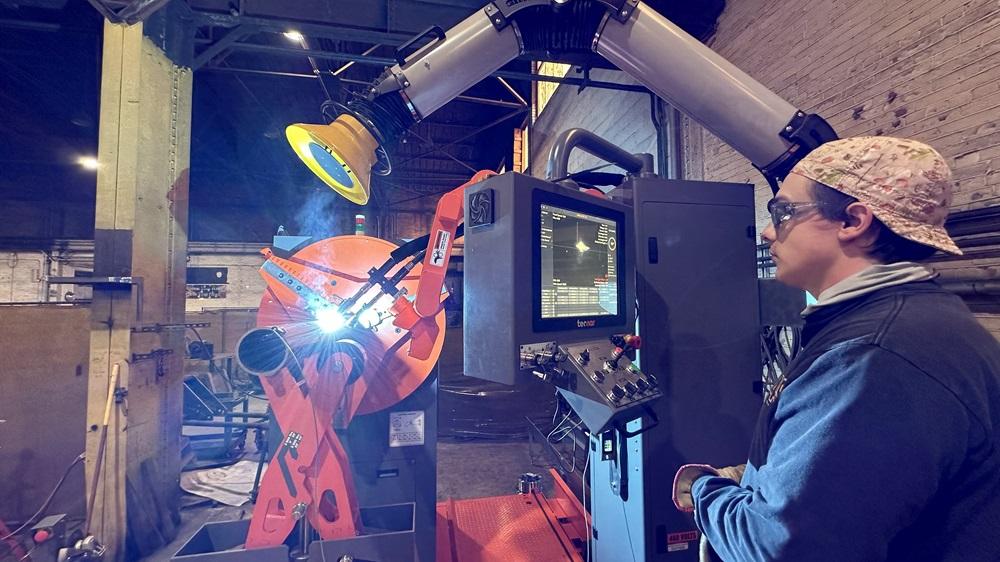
(515,528)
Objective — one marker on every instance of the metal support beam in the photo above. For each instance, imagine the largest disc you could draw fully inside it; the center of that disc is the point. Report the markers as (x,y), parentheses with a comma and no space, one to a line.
(235,70)
(386,61)
(140,232)
(215,49)
(343,68)
(29,25)
(475,132)
(674,141)
(529,77)
(512,91)
(325,55)
(336,32)
(133,13)
(139,10)
(438,149)
(316,70)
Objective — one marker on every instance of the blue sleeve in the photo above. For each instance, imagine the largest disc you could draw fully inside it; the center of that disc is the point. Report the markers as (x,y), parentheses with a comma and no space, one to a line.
(863,441)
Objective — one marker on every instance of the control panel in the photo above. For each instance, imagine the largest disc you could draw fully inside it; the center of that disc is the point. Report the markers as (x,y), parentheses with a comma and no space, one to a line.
(601,383)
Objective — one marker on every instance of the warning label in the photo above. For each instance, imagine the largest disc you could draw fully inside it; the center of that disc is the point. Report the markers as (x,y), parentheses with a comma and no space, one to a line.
(440,248)
(406,429)
(686,536)
(680,541)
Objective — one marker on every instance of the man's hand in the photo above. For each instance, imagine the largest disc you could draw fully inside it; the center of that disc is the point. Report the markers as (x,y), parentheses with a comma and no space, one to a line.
(734,473)
(688,473)
(683,481)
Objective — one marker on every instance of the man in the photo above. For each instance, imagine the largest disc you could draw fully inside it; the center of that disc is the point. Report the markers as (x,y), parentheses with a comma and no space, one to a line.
(881,441)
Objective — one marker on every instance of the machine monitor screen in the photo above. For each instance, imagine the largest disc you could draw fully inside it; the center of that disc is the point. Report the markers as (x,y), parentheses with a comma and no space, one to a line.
(577,262)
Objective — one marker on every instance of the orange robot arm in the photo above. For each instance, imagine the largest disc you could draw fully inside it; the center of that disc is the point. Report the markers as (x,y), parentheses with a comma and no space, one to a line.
(412,315)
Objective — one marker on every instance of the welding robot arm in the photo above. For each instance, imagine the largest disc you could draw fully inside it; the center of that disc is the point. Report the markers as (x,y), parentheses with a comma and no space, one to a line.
(449,214)
(417,315)
(756,122)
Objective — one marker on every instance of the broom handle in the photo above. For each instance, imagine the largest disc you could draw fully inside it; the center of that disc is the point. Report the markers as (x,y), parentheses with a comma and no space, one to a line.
(102,444)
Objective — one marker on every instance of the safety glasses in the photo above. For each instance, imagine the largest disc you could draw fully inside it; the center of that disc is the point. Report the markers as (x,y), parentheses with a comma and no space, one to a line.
(782,211)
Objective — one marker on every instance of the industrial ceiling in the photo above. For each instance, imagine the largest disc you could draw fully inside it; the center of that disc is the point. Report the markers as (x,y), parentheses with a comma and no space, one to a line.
(253,78)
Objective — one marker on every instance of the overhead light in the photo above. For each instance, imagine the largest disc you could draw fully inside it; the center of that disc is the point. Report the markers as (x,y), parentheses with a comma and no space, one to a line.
(293,35)
(341,154)
(581,246)
(88,162)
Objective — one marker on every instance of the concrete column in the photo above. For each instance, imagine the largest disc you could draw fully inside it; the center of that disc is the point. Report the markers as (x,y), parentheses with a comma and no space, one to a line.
(141,232)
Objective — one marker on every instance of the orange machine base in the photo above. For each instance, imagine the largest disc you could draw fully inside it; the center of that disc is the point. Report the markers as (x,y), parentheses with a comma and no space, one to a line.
(515,528)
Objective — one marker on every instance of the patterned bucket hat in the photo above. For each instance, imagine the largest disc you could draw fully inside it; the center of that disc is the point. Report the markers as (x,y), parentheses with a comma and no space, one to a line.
(906,183)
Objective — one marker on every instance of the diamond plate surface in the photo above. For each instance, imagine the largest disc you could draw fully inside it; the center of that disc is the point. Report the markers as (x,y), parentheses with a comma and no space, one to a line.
(504,529)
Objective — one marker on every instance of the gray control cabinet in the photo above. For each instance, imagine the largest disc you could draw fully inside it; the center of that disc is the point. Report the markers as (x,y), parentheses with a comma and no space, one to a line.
(696,284)
(698,316)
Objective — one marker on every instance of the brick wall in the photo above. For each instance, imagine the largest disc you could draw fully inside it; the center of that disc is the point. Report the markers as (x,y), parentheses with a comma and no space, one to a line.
(928,70)
(621,117)
(245,287)
(21,276)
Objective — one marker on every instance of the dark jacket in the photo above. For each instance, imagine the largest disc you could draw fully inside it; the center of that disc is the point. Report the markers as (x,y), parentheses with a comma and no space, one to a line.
(883,445)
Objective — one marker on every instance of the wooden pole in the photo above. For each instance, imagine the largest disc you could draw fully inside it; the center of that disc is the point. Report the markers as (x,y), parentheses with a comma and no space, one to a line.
(101,446)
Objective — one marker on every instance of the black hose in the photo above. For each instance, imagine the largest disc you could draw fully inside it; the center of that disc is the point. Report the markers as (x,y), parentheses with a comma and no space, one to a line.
(48,500)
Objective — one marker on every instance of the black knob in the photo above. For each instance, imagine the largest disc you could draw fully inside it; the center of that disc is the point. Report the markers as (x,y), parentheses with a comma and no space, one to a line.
(652,380)
(617,392)
(585,356)
(642,384)
(599,375)
(631,388)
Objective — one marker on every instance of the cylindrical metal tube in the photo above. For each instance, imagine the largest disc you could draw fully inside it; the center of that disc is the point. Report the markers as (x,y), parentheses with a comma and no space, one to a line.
(247,415)
(557,166)
(697,81)
(224,424)
(261,352)
(471,51)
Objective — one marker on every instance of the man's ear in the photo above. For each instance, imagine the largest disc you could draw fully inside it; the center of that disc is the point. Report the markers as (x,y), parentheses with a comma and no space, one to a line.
(859,225)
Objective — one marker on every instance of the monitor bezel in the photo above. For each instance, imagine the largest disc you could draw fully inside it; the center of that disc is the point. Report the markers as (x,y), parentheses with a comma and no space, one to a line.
(540,324)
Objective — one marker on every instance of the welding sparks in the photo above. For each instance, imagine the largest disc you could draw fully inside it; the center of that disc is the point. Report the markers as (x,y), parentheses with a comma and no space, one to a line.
(329,320)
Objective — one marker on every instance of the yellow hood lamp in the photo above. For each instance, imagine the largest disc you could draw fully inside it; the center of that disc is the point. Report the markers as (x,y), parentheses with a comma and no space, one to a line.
(341,154)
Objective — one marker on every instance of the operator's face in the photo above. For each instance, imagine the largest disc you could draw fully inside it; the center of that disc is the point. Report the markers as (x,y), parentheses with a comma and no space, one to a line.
(805,246)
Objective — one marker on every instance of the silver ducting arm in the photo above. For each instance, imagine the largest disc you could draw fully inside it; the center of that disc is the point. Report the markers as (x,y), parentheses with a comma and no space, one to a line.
(454,62)
(752,119)
(698,82)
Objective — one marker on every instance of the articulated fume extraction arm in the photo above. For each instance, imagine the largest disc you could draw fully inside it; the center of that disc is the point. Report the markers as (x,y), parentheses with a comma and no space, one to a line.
(756,122)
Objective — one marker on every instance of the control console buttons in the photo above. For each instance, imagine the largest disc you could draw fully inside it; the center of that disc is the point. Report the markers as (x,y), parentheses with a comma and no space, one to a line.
(642,384)
(617,392)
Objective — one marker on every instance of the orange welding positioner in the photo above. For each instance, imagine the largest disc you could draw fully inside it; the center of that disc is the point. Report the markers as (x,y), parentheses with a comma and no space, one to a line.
(329,375)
